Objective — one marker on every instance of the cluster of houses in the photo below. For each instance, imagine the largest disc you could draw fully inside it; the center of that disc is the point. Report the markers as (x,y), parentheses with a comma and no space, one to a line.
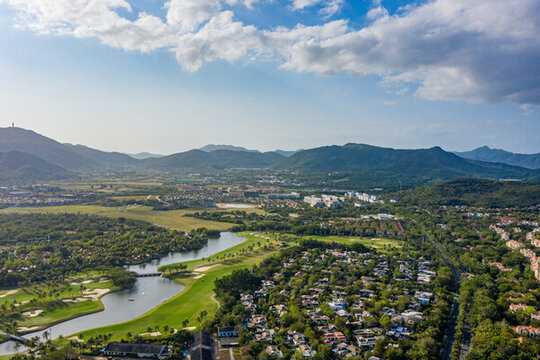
(372,199)
(336,304)
(20,198)
(329,201)
(505,235)
(528,253)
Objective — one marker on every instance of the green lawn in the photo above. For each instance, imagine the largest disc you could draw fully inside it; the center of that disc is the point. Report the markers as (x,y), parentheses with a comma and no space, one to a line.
(56,315)
(377,243)
(242,248)
(54,309)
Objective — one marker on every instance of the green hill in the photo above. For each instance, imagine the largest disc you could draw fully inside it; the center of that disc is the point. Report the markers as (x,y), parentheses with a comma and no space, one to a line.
(484,153)
(218,159)
(72,157)
(473,192)
(359,163)
(18,166)
(30,142)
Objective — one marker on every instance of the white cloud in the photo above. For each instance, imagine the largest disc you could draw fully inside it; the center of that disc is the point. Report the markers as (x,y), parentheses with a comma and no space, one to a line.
(247,3)
(190,13)
(477,51)
(329,7)
(220,39)
(480,51)
(302,4)
(377,12)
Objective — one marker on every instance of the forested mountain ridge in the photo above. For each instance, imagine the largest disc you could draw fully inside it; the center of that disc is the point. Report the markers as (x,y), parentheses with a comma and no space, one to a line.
(217,159)
(361,162)
(349,165)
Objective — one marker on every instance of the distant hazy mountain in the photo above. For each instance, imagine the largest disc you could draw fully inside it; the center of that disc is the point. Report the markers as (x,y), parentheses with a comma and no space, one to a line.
(27,141)
(365,162)
(473,192)
(347,165)
(67,156)
(217,159)
(212,147)
(288,153)
(484,153)
(145,155)
(15,165)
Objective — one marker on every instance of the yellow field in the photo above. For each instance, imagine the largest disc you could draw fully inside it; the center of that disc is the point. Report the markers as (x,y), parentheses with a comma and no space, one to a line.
(174,219)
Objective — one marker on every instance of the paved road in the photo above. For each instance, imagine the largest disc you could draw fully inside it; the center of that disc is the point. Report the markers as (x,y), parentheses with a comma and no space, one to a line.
(455,307)
(466,343)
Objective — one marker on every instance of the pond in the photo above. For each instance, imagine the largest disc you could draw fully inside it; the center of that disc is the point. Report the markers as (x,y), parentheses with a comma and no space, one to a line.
(147,293)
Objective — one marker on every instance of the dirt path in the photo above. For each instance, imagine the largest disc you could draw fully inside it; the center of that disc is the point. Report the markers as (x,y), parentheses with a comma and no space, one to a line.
(216,300)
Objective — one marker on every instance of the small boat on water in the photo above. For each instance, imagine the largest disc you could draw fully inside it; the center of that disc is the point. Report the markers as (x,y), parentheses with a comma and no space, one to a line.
(131,299)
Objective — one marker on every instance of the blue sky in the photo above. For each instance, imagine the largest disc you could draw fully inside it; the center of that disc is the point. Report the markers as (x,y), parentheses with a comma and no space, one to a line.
(269,75)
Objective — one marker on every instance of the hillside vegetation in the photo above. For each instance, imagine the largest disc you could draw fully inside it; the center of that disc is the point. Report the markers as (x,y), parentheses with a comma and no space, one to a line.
(18,165)
(218,159)
(473,192)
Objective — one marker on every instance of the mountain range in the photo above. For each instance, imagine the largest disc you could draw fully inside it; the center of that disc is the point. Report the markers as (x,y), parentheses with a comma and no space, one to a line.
(212,147)
(485,153)
(31,155)
(359,163)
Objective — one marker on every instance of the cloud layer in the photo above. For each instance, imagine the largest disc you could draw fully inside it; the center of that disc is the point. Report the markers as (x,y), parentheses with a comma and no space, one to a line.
(477,51)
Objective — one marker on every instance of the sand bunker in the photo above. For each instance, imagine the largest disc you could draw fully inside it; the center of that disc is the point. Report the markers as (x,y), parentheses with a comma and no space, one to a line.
(155,333)
(22,303)
(189,328)
(95,294)
(75,300)
(25,329)
(83,282)
(205,268)
(198,276)
(10,292)
(32,313)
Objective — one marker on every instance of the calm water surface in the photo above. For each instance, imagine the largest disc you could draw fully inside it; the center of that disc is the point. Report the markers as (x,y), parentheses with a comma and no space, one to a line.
(147,293)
